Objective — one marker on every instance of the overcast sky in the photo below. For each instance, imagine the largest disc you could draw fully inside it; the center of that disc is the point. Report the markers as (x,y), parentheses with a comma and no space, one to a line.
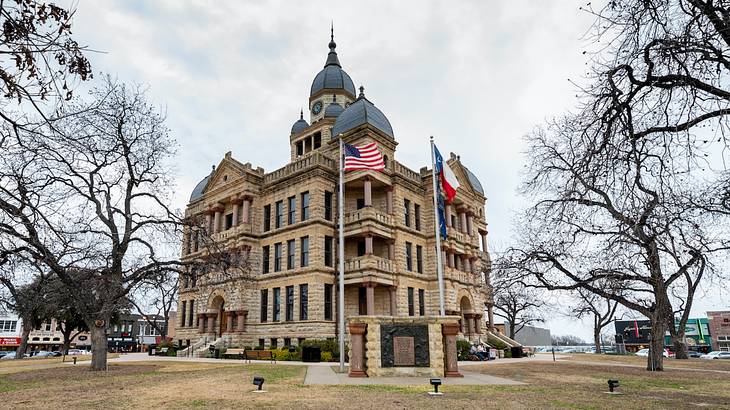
(232,76)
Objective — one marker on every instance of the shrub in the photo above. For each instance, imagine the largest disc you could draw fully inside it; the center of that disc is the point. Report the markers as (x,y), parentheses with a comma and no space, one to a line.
(326,356)
(324,345)
(507,353)
(462,349)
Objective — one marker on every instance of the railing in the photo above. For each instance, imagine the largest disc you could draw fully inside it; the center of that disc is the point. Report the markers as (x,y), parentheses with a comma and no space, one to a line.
(233,231)
(369,212)
(369,262)
(308,161)
(406,172)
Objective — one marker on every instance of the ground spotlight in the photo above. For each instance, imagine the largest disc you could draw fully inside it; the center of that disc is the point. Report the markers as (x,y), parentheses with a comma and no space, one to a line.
(259,382)
(612,385)
(435,383)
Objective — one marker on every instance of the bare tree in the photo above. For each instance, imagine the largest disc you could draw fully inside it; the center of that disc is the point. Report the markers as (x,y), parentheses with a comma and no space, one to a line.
(600,310)
(89,201)
(155,298)
(518,305)
(626,179)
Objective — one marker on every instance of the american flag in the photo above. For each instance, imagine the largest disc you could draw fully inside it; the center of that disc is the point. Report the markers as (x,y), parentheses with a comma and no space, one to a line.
(365,157)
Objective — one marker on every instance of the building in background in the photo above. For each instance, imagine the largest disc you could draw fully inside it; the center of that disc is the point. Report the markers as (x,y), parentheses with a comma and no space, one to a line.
(720,330)
(529,335)
(134,333)
(283,225)
(10,331)
(636,334)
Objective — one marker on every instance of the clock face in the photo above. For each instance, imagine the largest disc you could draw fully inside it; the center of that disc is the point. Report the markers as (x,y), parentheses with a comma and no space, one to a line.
(317,107)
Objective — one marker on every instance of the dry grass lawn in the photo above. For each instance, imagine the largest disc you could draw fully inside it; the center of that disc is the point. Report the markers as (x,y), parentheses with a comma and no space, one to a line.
(565,384)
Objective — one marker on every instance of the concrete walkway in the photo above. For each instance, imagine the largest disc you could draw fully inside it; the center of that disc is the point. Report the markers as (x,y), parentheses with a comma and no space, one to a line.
(327,375)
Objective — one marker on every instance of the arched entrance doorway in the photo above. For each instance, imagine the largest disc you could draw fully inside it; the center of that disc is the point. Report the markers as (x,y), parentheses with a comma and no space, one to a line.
(466,313)
(218,305)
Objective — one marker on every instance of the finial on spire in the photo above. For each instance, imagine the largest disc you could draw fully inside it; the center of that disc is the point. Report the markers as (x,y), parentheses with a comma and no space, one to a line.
(334,98)
(301,113)
(332,44)
(362,92)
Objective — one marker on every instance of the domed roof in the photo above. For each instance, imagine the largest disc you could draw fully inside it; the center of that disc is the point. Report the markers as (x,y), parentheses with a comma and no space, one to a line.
(334,109)
(300,125)
(362,112)
(198,191)
(332,75)
(474,181)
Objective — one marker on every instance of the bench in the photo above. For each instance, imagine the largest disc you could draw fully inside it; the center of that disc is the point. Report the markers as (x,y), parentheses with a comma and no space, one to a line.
(234,354)
(259,355)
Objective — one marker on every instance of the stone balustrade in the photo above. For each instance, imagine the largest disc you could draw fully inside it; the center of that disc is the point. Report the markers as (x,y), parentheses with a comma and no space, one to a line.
(371,213)
(300,165)
(369,262)
(406,172)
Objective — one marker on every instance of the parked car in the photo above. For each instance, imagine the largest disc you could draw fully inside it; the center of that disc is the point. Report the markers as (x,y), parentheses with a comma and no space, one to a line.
(716,355)
(77,352)
(645,353)
(10,356)
(694,354)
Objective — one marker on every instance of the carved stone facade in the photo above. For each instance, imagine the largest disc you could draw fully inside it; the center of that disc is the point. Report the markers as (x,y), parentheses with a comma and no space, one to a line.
(284,225)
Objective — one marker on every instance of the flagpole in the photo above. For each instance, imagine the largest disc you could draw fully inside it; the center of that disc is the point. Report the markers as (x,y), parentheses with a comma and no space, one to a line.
(341,251)
(439,265)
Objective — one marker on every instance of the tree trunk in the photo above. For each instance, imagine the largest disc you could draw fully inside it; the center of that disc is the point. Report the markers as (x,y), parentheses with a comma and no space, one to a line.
(679,343)
(597,339)
(99,344)
(511,330)
(20,353)
(655,360)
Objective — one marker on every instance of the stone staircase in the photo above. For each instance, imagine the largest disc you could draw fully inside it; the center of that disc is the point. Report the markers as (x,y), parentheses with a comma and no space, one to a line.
(504,339)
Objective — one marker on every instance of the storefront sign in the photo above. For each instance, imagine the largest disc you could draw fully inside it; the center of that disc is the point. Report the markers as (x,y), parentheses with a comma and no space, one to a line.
(9,341)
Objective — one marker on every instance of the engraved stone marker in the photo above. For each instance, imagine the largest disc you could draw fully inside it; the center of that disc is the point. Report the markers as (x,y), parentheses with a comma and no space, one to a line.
(403,351)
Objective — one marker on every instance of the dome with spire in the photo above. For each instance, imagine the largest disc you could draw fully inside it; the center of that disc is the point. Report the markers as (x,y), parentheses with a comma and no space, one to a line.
(333,110)
(362,112)
(300,125)
(332,75)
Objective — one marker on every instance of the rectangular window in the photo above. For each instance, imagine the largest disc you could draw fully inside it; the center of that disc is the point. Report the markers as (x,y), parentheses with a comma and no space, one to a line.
(277,257)
(274,343)
(277,305)
(409,256)
(303,251)
(360,203)
(421,302)
(328,301)
(289,303)
(262,343)
(303,301)
(407,212)
(360,248)
(454,222)
(182,315)
(417,216)
(229,221)
(300,148)
(264,305)
(279,208)
(265,259)
(191,313)
(317,140)
(287,341)
(328,205)
(362,301)
(305,205)
(419,258)
(292,209)
(290,254)
(410,302)
(267,218)
(328,259)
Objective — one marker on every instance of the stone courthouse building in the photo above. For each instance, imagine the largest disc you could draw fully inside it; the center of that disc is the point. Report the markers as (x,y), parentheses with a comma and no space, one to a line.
(283,225)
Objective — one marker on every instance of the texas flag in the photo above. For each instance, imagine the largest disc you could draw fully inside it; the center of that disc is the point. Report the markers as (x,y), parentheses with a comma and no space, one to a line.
(446,175)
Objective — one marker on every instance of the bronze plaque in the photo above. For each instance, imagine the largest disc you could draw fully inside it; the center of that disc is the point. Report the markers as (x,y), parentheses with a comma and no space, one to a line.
(403,351)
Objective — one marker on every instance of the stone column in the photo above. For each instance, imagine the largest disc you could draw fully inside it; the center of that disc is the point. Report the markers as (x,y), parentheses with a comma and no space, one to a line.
(367,186)
(370,298)
(235,214)
(452,259)
(490,313)
(391,250)
(357,349)
(484,241)
(246,209)
(467,265)
(211,322)
(470,223)
(451,361)
(217,222)
(462,215)
(448,215)
(393,301)
(229,321)
(478,323)
(241,320)
(201,322)
(208,222)
(369,245)
(469,325)
(444,259)
(389,200)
